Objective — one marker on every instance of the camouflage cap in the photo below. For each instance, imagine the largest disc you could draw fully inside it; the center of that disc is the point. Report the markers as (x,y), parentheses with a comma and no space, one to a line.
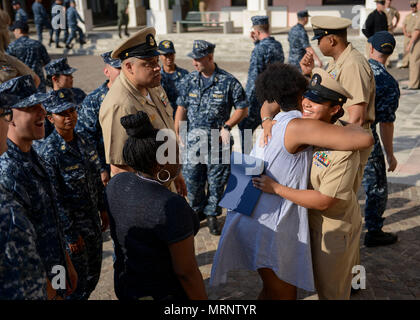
(259,20)
(59,66)
(115,63)
(23,88)
(8,100)
(60,100)
(201,48)
(166,46)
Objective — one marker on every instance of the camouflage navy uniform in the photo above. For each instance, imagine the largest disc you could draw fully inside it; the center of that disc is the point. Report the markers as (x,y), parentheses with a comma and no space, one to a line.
(88,115)
(72,18)
(374,179)
(76,168)
(57,67)
(21,15)
(265,52)
(22,274)
(24,176)
(171,81)
(33,54)
(298,42)
(208,107)
(41,20)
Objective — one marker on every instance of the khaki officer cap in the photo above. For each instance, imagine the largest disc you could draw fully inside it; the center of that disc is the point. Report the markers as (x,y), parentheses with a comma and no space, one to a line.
(323,87)
(325,25)
(413,2)
(142,44)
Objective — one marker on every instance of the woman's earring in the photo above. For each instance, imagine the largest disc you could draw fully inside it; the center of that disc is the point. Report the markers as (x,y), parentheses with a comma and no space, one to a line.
(163,180)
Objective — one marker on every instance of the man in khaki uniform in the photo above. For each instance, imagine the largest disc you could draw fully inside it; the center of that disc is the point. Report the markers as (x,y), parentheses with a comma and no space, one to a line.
(391,14)
(413,48)
(11,67)
(4,32)
(408,28)
(136,89)
(351,69)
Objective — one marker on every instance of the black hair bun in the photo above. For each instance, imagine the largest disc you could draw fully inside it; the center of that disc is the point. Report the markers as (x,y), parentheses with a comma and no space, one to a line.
(138,125)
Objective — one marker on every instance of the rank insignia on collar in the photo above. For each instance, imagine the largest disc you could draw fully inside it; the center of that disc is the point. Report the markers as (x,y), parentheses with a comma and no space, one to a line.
(63,147)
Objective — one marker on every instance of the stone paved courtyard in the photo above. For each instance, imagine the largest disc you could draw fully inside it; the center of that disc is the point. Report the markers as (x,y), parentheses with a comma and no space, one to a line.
(392,272)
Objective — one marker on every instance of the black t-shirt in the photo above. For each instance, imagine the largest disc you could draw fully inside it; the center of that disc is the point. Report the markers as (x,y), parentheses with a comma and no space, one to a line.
(376,21)
(145,218)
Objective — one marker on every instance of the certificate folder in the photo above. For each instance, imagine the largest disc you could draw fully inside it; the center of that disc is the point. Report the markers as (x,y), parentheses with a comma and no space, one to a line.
(240,195)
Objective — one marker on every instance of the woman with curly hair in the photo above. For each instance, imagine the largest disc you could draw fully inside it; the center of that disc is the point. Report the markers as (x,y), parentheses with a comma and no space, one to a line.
(274,240)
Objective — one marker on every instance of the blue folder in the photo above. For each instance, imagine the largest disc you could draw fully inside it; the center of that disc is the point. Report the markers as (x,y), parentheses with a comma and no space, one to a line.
(240,195)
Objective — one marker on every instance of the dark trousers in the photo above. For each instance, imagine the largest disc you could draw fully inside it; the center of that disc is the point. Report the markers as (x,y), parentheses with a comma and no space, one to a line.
(40,26)
(57,35)
(376,187)
(72,35)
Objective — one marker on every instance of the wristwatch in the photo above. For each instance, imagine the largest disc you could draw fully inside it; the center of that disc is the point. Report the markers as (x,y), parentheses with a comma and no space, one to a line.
(227,127)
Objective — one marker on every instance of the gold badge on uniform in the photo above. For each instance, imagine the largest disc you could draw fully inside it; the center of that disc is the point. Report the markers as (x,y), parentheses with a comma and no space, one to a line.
(61,95)
(315,80)
(150,40)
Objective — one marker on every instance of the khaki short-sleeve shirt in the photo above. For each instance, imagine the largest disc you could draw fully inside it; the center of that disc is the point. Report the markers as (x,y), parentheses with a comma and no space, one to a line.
(124,99)
(11,67)
(353,72)
(410,21)
(390,14)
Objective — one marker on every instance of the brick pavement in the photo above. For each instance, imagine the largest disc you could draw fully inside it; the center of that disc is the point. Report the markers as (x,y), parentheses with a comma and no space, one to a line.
(392,272)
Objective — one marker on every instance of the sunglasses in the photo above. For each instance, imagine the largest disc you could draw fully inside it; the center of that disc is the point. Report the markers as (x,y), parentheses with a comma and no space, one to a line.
(6,114)
(413,5)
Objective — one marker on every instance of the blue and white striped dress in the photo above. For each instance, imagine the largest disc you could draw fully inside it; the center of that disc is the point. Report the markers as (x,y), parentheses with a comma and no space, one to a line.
(276,236)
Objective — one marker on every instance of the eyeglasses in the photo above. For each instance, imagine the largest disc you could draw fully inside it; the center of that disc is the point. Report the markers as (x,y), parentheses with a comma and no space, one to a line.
(6,114)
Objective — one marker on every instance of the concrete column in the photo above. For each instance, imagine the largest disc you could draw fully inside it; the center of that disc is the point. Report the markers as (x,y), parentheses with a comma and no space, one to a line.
(85,14)
(254,8)
(159,16)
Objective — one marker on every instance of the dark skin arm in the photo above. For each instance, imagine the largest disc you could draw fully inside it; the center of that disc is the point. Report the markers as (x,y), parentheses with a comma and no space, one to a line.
(186,268)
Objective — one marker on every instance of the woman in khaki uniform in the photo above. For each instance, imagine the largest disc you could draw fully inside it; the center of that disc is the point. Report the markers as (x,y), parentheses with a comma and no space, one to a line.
(334,217)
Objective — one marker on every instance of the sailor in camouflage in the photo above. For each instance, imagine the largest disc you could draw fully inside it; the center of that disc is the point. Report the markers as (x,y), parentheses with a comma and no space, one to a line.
(20,14)
(29,51)
(74,164)
(88,123)
(386,104)
(267,50)
(24,176)
(170,72)
(299,41)
(59,76)
(206,101)
(41,20)
(22,274)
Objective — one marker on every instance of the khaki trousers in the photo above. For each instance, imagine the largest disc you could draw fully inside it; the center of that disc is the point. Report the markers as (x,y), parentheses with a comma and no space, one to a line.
(414,65)
(406,57)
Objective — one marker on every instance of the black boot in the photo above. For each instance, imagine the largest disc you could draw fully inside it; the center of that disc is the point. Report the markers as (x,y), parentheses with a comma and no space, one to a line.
(213,225)
(126,32)
(58,45)
(379,238)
